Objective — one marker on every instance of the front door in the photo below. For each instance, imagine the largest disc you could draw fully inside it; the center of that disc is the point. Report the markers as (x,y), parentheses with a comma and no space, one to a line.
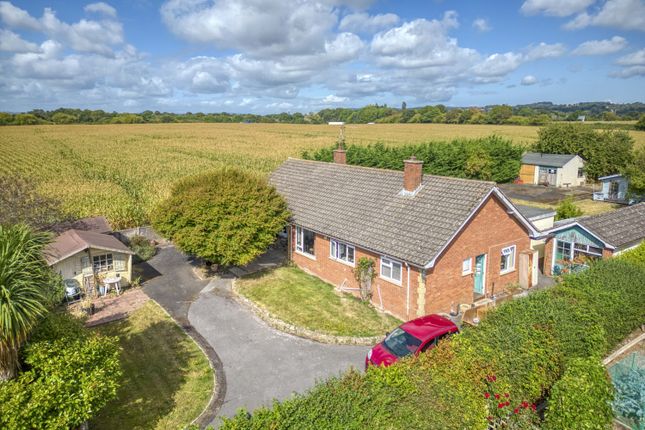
(480,268)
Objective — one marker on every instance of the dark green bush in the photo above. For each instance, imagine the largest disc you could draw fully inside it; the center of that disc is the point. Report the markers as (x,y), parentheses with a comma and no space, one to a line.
(68,374)
(581,399)
(534,346)
(144,248)
(490,158)
(635,256)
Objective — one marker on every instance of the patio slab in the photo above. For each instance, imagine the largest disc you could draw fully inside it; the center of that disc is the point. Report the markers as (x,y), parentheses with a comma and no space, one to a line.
(113,308)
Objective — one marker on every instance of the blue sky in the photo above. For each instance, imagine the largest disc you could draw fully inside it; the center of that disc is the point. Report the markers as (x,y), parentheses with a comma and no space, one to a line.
(298,55)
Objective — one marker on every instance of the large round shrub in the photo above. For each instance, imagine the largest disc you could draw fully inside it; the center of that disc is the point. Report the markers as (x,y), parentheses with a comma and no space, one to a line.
(226,217)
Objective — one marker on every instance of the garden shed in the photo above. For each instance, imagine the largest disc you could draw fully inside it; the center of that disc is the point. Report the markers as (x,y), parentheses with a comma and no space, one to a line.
(557,170)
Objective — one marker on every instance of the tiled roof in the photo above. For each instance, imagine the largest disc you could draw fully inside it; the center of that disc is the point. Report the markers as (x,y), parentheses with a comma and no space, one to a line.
(362,206)
(551,160)
(618,228)
(74,241)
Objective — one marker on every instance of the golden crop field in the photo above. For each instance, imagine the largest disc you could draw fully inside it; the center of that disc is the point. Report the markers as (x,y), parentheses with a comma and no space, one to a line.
(122,171)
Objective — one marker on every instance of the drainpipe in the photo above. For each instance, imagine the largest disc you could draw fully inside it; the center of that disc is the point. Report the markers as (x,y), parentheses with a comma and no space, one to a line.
(407,299)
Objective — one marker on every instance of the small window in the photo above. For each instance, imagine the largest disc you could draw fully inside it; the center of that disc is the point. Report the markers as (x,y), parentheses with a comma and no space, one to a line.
(581,172)
(467,266)
(341,251)
(102,263)
(563,250)
(305,240)
(507,261)
(391,270)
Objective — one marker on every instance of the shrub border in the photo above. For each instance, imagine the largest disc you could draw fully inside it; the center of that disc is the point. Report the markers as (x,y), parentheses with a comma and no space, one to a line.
(295,330)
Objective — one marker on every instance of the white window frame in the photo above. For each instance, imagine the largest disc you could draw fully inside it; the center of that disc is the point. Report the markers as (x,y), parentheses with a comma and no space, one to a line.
(300,245)
(390,262)
(103,264)
(334,247)
(467,270)
(511,267)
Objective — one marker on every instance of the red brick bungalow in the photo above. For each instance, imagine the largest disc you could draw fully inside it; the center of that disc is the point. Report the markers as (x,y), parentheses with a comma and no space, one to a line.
(437,242)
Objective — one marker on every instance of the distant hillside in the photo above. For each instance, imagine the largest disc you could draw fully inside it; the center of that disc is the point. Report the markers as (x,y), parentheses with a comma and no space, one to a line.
(531,114)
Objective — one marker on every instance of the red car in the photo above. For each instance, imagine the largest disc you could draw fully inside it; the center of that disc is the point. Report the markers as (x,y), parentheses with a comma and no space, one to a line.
(411,337)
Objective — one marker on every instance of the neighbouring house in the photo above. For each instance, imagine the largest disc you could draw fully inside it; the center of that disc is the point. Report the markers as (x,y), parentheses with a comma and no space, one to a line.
(571,243)
(614,189)
(555,170)
(80,256)
(436,242)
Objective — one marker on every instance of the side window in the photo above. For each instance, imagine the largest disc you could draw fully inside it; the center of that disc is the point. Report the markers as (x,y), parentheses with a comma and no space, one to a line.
(429,345)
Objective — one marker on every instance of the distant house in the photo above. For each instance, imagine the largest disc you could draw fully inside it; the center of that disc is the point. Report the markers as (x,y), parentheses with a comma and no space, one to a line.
(582,118)
(571,243)
(557,170)
(436,242)
(614,189)
(80,255)
(335,123)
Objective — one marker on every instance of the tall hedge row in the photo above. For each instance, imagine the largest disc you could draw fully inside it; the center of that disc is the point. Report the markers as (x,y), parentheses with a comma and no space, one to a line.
(490,158)
(489,375)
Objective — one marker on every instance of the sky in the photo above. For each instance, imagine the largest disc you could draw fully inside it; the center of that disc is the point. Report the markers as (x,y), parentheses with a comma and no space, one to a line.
(267,56)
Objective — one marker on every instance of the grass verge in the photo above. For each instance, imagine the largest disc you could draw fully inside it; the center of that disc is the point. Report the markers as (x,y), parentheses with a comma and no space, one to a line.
(295,297)
(167,380)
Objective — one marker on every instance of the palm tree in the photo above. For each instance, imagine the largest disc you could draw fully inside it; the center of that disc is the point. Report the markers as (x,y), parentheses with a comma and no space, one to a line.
(24,275)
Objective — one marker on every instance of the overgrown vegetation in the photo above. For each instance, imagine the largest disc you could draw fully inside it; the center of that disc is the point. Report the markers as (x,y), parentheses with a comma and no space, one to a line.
(142,247)
(605,152)
(567,209)
(526,345)
(69,374)
(304,300)
(491,158)
(226,217)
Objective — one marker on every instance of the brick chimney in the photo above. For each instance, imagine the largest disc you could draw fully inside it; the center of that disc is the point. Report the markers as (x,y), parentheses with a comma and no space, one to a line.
(412,174)
(340,156)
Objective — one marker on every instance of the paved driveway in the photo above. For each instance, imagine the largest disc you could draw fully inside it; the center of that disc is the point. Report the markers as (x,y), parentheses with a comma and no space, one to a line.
(257,363)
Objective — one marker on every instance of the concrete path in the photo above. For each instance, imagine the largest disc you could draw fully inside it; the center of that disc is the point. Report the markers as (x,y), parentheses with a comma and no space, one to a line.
(254,363)
(262,363)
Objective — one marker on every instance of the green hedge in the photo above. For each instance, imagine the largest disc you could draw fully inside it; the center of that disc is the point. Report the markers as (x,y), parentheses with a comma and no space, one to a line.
(490,158)
(68,375)
(519,352)
(582,398)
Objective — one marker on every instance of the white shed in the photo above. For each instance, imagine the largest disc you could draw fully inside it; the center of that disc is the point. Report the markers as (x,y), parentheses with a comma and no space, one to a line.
(558,170)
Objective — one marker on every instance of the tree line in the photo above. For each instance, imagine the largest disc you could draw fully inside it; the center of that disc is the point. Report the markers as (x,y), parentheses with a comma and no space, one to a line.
(534,114)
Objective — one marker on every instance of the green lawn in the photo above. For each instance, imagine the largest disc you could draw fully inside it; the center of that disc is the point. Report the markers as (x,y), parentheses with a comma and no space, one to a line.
(167,380)
(293,296)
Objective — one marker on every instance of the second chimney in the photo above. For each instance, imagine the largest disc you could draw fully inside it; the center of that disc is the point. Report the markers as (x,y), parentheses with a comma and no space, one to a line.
(340,156)
(412,174)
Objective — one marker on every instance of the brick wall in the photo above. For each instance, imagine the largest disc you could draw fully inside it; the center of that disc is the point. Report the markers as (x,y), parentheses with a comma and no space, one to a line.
(490,230)
(393,297)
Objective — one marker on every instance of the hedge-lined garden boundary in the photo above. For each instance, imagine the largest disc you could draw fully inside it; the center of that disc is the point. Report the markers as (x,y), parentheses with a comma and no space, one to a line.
(548,343)
(491,158)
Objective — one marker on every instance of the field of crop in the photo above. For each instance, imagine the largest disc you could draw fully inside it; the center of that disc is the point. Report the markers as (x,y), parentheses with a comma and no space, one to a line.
(122,171)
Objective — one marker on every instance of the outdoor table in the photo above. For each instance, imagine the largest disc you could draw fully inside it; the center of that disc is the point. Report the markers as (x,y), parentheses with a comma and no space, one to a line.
(112,281)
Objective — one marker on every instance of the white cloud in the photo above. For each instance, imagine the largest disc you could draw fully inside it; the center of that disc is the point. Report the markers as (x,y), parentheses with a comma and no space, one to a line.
(495,66)
(334,99)
(422,44)
(634,59)
(529,80)
(554,7)
(101,8)
(15,17)
(601,47)
(263,28)
(362,22)
(11,42)
(623,14)
(481,24)
(545,50)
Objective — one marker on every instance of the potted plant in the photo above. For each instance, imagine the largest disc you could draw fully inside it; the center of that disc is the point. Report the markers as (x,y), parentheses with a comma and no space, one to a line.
(87,306)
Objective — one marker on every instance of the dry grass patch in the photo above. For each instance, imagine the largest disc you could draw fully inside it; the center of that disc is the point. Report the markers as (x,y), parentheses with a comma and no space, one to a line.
(298,298)
(167,380)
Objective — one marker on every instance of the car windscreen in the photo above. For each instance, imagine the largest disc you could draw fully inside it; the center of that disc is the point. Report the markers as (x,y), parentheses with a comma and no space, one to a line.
(401,343)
